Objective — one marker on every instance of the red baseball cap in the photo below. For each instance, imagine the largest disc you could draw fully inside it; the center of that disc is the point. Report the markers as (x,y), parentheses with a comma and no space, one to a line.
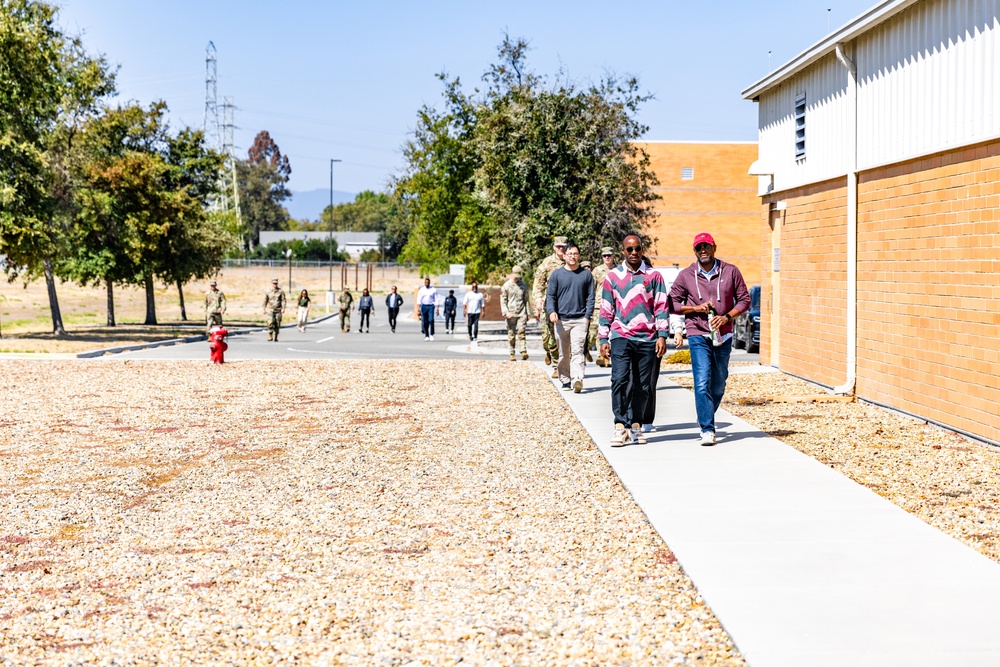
(704,237)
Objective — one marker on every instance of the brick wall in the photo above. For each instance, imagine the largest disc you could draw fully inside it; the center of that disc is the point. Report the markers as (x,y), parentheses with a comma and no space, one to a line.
(929,288)
(721,199)
(813,282)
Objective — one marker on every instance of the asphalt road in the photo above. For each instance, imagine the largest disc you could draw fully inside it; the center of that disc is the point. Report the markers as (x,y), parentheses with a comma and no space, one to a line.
(324,340)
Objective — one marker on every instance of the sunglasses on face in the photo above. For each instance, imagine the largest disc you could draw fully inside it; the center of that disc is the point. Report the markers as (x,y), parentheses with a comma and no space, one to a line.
(630,249)
(701,246)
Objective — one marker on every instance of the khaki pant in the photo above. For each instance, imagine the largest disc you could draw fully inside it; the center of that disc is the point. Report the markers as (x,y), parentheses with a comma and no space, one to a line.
(572,338)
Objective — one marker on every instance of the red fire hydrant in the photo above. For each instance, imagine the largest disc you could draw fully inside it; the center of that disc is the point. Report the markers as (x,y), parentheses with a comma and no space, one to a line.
(217,344)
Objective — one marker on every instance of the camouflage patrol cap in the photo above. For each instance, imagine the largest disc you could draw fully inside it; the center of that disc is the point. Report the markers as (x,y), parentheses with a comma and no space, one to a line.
(212,284)
(274,280)
(516,270)
(560,240)
(607,250)
(585,264)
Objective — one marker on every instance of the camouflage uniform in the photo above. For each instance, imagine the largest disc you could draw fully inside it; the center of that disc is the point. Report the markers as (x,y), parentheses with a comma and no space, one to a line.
(600,273)
(549,341)
(346,301)
(215,306)
(514,306)
(274,306)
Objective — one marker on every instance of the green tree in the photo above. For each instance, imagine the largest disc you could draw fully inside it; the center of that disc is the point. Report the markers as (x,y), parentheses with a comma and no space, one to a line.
(494,177)
(115,168)
(196,242)
(262,180)
(143,205)
(48,87)
(435,192)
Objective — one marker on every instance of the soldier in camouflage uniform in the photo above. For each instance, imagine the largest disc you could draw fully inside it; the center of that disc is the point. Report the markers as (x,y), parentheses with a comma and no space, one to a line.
(274,307)
(585,264)
(514,306)
(346,300)
(600,273)
(542,272)
(215,306)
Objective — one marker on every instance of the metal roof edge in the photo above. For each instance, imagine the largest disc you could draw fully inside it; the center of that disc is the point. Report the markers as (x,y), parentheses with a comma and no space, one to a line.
(861,24)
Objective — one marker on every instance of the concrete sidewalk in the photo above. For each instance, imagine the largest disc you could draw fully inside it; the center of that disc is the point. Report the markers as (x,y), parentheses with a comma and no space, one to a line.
(803,566)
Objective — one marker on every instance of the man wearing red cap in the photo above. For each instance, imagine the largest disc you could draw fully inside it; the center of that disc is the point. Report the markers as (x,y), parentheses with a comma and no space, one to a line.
(709,294)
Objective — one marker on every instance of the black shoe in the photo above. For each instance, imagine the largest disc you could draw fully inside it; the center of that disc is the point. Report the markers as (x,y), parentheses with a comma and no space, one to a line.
(566,386)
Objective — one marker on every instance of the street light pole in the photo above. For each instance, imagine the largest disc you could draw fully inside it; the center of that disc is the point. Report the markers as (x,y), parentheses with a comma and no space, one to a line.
(330,288)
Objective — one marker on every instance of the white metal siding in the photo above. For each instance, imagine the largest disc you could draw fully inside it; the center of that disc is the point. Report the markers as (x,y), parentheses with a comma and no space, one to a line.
(927,81)
(825,86)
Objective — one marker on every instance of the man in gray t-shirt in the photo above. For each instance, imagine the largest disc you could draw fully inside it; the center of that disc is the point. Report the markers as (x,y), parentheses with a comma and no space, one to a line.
(569,300)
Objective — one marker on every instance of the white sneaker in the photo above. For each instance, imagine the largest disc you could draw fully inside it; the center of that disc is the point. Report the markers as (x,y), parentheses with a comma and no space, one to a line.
(621,436)
(707,438)
(427,337)
(432,338)
(648,428)
(638,437)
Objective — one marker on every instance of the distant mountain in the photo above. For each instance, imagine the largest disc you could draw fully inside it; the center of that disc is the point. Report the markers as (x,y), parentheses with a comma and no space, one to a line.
(309,204)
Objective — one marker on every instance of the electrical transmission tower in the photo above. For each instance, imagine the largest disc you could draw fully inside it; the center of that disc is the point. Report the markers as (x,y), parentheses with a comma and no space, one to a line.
(219,134)
(229,150)
(210,123)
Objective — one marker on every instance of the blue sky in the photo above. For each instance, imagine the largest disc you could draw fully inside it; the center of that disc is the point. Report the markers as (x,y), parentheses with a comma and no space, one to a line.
(344,80)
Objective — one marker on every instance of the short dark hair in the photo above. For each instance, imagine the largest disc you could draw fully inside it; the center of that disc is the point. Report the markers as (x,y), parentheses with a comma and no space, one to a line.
(570,245)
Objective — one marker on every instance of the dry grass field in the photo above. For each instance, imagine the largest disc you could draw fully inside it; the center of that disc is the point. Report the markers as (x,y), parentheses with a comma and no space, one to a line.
(26,324)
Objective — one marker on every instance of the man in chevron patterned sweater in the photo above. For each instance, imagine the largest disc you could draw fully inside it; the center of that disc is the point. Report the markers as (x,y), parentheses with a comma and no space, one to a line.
(633,330)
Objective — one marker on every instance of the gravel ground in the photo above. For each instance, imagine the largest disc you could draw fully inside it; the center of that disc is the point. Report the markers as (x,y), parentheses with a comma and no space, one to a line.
(945,479)
(355,512)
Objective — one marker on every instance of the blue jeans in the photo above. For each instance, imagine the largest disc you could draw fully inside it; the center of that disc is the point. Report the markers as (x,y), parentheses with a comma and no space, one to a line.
(632,362)
(710,366)
(427,320)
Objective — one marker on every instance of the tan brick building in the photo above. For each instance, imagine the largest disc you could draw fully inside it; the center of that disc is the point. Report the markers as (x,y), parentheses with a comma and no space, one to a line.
(879,236)
(705,188)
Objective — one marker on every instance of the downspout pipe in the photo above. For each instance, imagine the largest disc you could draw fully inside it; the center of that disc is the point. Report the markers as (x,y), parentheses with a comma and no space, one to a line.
(852,221)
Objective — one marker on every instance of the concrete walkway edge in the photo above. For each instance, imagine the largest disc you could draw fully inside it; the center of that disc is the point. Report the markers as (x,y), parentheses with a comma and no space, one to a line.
(802,565)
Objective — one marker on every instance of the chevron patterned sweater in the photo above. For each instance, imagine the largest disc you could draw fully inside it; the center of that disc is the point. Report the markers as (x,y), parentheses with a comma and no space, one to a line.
(634,305)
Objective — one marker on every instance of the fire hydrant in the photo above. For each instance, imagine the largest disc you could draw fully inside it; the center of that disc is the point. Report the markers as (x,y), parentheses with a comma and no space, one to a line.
(217,344)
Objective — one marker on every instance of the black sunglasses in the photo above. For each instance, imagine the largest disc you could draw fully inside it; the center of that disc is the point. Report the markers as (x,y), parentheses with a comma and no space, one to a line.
(701,246)
(632,249)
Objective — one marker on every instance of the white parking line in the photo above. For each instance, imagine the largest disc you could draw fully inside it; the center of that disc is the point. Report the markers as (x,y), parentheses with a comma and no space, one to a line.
(326,339)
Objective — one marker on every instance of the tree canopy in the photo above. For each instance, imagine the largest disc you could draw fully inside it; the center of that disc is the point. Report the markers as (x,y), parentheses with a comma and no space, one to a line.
(262,180)
(492,177)
(48,86)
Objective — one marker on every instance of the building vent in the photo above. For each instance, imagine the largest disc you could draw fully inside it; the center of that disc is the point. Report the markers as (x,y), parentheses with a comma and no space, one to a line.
(687,173)
(800,127)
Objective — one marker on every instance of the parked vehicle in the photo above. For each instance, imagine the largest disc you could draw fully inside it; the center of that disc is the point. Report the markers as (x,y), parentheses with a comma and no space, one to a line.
(746,330)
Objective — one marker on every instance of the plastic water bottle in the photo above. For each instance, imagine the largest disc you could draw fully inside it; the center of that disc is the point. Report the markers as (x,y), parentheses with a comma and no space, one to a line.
(716,334)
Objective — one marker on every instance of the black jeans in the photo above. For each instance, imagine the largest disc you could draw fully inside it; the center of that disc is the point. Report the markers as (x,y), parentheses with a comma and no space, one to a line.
(473,325)
(366,318)
(393,314)
(632,362)
(650,414)
(449,321)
